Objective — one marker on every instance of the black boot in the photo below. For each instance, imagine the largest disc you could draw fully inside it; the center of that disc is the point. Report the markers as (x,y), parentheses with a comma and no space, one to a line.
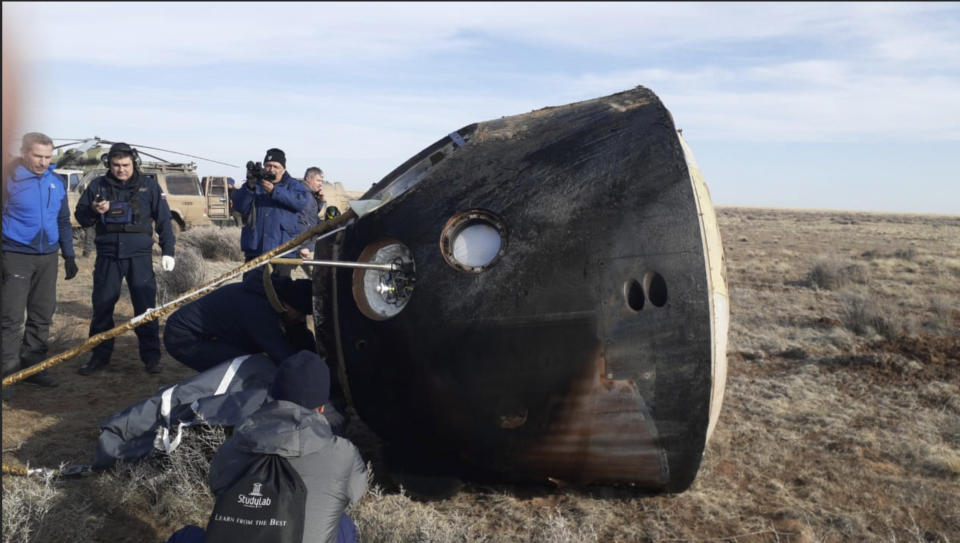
(42,379)
(94,364)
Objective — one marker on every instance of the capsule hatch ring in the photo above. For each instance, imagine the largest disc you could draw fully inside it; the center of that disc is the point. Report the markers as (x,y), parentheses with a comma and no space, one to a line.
(473,241)
(381,294)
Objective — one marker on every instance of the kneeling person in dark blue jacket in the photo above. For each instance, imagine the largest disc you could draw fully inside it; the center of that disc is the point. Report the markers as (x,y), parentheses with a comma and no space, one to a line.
(238,319)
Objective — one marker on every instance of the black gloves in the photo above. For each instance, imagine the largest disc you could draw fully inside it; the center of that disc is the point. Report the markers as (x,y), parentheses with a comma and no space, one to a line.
(70,265)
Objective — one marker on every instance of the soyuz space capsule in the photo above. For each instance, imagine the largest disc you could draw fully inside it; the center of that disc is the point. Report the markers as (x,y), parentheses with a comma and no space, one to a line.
(563,309)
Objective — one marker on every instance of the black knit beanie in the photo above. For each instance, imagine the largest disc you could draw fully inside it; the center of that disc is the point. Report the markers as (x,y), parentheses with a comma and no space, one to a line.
(302,378)
(275,155)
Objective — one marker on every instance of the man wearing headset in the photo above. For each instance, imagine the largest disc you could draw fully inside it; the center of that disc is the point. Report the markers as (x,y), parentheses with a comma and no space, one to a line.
(126,208)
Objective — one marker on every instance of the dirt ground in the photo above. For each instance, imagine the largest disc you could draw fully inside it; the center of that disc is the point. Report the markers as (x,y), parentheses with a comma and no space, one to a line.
(57,425)
(841,420)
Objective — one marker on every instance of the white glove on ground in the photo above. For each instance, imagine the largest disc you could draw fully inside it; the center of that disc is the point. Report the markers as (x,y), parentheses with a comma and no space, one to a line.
(167,263)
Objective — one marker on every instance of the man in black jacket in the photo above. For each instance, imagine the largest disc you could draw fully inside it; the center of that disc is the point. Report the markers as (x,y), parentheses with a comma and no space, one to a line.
(238,319)
(126,208)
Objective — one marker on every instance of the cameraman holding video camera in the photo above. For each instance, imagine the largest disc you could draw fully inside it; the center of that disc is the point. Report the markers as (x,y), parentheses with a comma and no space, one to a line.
(272,200)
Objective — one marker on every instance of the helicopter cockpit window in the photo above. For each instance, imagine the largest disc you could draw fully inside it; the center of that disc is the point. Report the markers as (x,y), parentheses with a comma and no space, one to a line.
(183,185)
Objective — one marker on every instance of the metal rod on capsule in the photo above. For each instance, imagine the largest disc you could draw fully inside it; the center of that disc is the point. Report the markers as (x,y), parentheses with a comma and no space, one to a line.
(337,264)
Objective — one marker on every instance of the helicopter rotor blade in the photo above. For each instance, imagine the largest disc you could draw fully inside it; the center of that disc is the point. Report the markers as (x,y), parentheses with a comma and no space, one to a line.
(184,154)
(72,142)
(83,144)
(87,143)
(154,156)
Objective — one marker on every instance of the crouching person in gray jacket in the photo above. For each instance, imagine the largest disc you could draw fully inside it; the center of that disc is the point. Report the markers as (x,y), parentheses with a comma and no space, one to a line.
(294,427)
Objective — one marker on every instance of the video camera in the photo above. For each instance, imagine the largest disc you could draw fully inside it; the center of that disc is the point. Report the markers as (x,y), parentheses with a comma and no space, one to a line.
(255,172)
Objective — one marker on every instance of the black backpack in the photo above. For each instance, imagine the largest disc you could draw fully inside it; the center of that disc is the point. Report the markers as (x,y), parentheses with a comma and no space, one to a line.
(264,505)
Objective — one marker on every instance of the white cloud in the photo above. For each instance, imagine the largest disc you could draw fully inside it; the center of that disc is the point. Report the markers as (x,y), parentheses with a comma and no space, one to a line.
(847,72)
(798,101)
(204,33)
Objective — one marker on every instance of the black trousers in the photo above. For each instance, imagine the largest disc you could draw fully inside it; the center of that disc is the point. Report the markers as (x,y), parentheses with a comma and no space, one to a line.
(29,290)
(108,273)
(197,351)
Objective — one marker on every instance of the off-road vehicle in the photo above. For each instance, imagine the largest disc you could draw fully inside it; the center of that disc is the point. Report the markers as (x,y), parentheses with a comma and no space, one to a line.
(218,190)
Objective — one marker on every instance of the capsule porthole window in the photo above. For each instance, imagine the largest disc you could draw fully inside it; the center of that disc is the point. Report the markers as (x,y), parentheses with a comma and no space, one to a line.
(473,241)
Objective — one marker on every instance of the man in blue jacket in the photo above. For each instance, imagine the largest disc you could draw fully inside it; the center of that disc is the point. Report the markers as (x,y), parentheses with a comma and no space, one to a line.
(36,226)
(272,205)
(126,208)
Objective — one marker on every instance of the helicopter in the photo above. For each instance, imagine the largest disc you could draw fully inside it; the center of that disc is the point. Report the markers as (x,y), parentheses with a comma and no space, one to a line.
(83,145)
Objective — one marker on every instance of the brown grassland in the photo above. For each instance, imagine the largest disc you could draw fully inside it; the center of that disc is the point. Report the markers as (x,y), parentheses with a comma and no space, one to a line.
(841,420)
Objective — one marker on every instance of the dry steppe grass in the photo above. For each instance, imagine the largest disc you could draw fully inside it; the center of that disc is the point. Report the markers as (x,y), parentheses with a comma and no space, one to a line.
(841,420)
(188,273)
(213,242)
(196,248)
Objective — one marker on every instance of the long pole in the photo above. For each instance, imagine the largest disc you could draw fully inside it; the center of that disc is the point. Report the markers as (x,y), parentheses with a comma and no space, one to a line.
(325,228)
(337,264)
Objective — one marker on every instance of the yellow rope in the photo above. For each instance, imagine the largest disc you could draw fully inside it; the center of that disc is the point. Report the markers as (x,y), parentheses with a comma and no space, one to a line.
(156,313)
(14,470)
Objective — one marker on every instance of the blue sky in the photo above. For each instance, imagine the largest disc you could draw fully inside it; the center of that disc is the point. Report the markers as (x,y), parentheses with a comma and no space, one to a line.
(802,105)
